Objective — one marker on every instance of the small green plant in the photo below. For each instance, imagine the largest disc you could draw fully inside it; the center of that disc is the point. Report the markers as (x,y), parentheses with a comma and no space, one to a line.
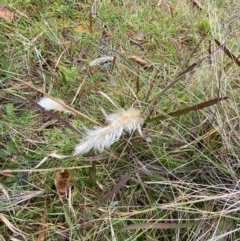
(204,26)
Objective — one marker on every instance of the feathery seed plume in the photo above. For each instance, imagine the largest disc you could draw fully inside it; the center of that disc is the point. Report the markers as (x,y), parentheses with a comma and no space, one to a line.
(49,104)
(100,138)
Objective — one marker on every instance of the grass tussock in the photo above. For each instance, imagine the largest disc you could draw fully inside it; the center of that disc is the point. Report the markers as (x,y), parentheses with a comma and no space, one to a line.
(183,171)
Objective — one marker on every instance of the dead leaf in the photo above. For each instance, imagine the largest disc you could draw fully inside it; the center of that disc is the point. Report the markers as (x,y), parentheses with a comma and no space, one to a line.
(139,60)
(134,35)
(41,235)
(198,4)
(63,180)
(6,14)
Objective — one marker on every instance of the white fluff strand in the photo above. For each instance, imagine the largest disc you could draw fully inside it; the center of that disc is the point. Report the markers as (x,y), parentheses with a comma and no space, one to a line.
(100,138)
(49,104)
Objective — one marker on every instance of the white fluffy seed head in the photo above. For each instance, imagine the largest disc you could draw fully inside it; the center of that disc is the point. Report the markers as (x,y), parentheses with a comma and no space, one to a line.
(100,138)
(49,104)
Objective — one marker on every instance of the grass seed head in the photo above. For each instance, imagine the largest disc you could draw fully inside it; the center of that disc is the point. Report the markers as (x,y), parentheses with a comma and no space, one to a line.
(100,138)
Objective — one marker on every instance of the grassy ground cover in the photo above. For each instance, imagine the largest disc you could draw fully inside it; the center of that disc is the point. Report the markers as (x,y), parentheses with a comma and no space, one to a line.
(184,171)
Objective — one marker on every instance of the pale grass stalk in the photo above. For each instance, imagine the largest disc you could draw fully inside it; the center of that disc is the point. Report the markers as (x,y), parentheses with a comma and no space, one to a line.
(9,224)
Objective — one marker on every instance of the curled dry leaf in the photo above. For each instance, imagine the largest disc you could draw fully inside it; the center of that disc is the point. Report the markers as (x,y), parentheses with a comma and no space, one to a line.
(139,60)
(63,180)
(6,14)
(136,36)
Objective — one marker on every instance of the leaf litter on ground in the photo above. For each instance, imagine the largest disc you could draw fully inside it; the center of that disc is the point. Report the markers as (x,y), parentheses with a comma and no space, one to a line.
(139,60)
(63,181)
(6,14)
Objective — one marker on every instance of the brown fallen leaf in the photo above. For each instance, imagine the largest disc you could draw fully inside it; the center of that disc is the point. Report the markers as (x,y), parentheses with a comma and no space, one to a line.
(197,3)
(63,180)
(139,60)
(6,14)
(134,35)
